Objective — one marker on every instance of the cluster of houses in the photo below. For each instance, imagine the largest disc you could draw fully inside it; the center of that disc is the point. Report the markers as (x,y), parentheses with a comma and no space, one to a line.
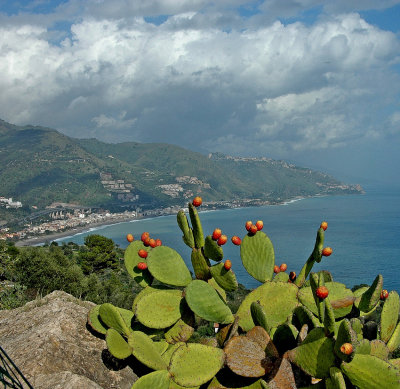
(9,203)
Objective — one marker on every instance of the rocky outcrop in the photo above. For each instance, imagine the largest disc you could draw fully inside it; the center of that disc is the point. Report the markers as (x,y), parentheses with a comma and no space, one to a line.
(50,343)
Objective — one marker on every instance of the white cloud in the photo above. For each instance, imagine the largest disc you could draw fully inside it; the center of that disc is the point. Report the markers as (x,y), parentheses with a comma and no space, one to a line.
(272,88)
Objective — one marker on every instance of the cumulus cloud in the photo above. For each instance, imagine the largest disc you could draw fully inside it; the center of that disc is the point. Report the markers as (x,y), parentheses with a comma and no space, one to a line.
(254,88)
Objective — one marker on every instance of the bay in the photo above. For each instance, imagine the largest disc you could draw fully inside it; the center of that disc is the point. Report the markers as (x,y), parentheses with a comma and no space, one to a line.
(363,230)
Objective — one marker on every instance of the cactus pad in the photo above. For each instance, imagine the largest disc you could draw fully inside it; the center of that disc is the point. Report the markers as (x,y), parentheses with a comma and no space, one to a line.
(94,320)
(258,256)
(111,316)
(145,351)
(394,341)
(260,336)
(389,316)
(345,334)
(212,250)
(205,302)
(196,227)
(184,226)
(259,316)
(340,298)
(167,266)
(379,349)
(281,277)
(131,260)
(159,309)
(200,265)
(315,355)
(371,296)
(246,357)
(220,291)
(157,379)
(278,300)
(117,345)
(369,372)
(226,279)
(195,364)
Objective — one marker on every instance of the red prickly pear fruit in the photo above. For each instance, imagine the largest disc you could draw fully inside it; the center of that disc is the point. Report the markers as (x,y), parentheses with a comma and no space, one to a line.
(152,243)
(144,236)
(248,225)
(283,267)
(142,265)
(227,264)
(322,292)
(253,229)
(142,253)
(384,294)
(130,238)
(324,225)
(327,251)
(259,225)
(158,242)
(277,269)
(146,241)
(222,240)
(236,240)
(346,348)
(216,234)
(197,201)
(292,276)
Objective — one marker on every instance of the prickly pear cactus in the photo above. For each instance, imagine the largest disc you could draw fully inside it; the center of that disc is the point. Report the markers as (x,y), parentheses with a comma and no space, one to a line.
(335,335)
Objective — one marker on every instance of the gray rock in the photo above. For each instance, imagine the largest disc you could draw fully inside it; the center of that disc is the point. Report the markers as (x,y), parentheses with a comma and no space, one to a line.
(50,343)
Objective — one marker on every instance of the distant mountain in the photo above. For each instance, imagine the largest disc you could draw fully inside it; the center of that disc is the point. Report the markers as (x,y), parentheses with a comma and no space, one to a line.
(40,166)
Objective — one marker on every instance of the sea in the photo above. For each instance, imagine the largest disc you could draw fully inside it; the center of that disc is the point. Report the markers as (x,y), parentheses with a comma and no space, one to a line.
(363,231)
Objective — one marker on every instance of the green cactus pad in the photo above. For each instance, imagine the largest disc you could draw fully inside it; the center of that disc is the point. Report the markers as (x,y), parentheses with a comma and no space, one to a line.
(315,355)
(200,265)
(117,345)
(179,332)
(281,277)
(369,372)
(285,337)
(394,341)
(379,349)
(363,347)
(389,316)
(111,317)
(258,256)
(157,379)
(184,226)
(329,319)
(161,346)
(220,291)
(395,362)
(212,250)
(205,302)
(131,260)
(145,351)
(340,298)
(95,322)
(336,380)
(302,315)
(159,309)
(145,291)
(371,297)
(278,300)
(246,357)
(196,226)
(226,279)
(345,334)
(195,364)
(166,356)
(167,266)
(221,383)
(259,316)
(356,325)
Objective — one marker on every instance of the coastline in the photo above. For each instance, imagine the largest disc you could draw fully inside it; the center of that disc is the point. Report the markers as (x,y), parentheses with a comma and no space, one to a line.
(42,239)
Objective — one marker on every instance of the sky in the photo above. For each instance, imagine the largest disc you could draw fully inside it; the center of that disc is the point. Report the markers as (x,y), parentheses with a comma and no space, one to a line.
(313,82)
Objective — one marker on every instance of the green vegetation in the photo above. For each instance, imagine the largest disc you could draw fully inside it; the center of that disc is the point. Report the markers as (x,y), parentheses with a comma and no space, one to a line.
(284,333)
(40,166)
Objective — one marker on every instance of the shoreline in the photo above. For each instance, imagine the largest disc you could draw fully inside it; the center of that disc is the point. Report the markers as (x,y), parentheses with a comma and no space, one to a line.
(42,239)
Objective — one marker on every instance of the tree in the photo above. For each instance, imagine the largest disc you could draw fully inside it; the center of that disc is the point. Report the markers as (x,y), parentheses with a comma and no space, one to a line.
(100,254)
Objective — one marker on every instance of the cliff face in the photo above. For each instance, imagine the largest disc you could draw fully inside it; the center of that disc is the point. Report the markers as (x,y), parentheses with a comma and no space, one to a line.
(49,342)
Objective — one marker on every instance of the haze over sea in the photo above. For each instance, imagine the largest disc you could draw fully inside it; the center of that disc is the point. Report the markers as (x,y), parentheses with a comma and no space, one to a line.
(363,230)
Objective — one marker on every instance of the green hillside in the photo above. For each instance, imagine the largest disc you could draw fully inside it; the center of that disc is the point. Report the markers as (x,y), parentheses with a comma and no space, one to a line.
(40,166)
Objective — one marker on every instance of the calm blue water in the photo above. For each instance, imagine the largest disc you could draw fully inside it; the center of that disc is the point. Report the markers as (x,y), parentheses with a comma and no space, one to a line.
(364,232)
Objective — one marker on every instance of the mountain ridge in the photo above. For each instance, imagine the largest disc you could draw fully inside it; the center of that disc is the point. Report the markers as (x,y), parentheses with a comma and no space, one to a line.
(40,166)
